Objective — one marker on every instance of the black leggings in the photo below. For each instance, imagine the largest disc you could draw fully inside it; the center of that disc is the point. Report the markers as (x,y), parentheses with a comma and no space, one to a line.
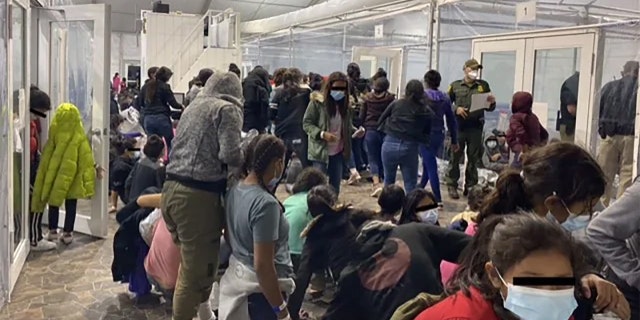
(70,208)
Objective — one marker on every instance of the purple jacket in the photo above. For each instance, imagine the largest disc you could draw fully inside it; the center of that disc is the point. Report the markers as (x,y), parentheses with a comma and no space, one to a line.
(440,103)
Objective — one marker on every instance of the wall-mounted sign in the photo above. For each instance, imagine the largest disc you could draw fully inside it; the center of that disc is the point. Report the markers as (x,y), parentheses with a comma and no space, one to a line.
(379,31)
(526,11)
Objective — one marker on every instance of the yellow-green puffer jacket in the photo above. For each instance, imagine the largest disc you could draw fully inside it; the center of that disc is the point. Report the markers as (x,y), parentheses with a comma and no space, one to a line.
(67,167)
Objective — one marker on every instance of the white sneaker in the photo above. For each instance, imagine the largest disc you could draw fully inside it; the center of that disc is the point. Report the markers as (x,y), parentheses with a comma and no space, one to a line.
(52,236)
(44,245)
(66,238)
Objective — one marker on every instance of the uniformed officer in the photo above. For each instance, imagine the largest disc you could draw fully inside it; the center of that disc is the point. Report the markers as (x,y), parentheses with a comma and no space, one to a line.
(470,126)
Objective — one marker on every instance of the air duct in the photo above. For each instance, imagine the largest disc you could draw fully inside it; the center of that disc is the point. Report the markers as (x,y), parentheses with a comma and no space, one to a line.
(319,12)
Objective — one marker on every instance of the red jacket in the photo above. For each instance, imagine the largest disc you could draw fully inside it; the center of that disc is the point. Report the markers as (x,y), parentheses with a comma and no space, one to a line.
(34,138)
(525,129)
(461,307)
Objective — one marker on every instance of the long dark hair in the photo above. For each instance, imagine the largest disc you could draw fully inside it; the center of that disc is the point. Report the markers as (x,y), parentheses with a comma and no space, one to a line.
(563,168)
(162,75)
(260,152)
(331,105)
(411,204)
(506,240)
(291,80)
(278,76)
(415,92)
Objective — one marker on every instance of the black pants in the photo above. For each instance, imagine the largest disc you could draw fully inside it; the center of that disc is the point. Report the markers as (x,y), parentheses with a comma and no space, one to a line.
(298,146)
(70,208)
(35,227)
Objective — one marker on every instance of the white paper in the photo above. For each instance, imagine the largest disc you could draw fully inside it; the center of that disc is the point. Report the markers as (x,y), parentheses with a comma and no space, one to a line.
(479,101)
(541,110)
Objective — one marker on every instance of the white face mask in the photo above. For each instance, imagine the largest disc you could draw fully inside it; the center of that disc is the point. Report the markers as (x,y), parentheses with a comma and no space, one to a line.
(492,144)
(473,75)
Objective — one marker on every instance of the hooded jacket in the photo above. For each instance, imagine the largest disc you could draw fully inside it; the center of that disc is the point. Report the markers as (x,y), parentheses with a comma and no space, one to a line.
(440,104)
(391,267)
(373,108)
(256,90)
(525,130)
(208,137)
(67,167)
(316,120)
(503,151)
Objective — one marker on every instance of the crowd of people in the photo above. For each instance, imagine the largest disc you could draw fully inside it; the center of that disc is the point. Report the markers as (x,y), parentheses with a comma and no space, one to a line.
(202,227)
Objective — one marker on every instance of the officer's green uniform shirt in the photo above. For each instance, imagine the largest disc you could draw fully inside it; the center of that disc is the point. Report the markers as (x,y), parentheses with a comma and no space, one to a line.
(460,93)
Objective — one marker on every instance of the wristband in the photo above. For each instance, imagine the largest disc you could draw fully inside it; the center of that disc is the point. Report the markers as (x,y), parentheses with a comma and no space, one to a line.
(280,308)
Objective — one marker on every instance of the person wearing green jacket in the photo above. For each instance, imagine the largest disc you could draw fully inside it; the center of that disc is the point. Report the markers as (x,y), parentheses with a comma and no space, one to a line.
(67,171)
(328,124)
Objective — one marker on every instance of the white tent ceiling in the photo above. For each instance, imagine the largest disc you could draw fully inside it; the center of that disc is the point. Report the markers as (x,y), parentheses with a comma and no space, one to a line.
(126,12)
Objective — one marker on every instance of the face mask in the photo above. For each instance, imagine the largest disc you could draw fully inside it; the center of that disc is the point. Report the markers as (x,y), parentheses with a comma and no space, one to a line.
(273,184)
(428,216)
(492,144)
(538,304)
(473,75)
(136,154)
(574,222)
(38,113)
(337,95)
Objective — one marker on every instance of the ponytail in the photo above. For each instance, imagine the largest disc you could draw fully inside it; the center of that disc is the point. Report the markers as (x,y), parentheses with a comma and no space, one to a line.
(508,196)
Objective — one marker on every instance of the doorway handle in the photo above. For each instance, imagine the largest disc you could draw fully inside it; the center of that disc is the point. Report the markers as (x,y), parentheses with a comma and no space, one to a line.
(96,132)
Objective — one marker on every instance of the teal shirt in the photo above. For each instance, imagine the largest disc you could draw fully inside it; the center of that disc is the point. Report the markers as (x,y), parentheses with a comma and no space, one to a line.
(297,214)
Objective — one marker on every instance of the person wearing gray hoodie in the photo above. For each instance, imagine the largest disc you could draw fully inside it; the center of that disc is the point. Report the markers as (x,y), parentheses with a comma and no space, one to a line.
(208,142)
(615,233)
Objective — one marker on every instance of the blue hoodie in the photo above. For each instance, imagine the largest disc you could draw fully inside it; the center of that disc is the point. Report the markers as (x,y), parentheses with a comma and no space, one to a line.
(440,103)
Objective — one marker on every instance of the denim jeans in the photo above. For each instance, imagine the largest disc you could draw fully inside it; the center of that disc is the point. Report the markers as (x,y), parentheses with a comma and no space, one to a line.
(430,166)
(373,140)
(159,124)
(300,148)
(358,154)
(333,169)
(404,154)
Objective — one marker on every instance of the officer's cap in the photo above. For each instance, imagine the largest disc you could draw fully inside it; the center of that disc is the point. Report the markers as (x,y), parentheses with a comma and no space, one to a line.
(473,64)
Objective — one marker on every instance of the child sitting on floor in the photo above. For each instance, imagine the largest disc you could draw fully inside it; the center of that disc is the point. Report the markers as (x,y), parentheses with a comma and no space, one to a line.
(391,201)
(120,168)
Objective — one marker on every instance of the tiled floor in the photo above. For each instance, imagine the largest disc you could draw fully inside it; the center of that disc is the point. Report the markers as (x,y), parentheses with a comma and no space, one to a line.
(74,282)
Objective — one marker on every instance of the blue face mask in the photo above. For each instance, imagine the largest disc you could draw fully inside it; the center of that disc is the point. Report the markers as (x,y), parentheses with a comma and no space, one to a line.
(428,216)
(574,222)
(337,95)
(538,304)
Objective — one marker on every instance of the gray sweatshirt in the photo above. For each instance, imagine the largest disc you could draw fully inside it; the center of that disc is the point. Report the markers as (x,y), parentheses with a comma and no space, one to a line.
(615,233)
(208,138)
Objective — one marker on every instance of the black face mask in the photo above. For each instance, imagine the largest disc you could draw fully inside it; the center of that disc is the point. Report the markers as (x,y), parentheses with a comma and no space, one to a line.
(38,113)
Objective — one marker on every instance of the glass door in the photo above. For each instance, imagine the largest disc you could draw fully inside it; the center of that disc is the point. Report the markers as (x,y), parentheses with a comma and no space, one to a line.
(556,67)
(19,151)
(559,73)
(389,59)
(503,69)
(81,36)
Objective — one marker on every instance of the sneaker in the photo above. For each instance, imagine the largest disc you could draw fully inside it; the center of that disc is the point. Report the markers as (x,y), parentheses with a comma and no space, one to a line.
(44,245)
(453,193)
(354,178)
(67,238)
(376,193)
(52,236)
(465,192)
(440,205)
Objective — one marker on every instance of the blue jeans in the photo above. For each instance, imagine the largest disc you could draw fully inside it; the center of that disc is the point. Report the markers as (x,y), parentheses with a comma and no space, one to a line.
(374,139)
(404,154)
(359,155)
(159,124)
(333,169)
(430,166)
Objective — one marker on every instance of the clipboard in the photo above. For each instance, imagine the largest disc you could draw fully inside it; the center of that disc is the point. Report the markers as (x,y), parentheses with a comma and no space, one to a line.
(479,101)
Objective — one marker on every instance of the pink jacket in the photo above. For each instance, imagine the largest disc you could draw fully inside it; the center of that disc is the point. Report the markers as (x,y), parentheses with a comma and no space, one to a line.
(447,268)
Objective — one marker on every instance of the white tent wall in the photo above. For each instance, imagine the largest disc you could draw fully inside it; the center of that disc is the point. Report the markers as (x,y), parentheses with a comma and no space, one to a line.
(125,48)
